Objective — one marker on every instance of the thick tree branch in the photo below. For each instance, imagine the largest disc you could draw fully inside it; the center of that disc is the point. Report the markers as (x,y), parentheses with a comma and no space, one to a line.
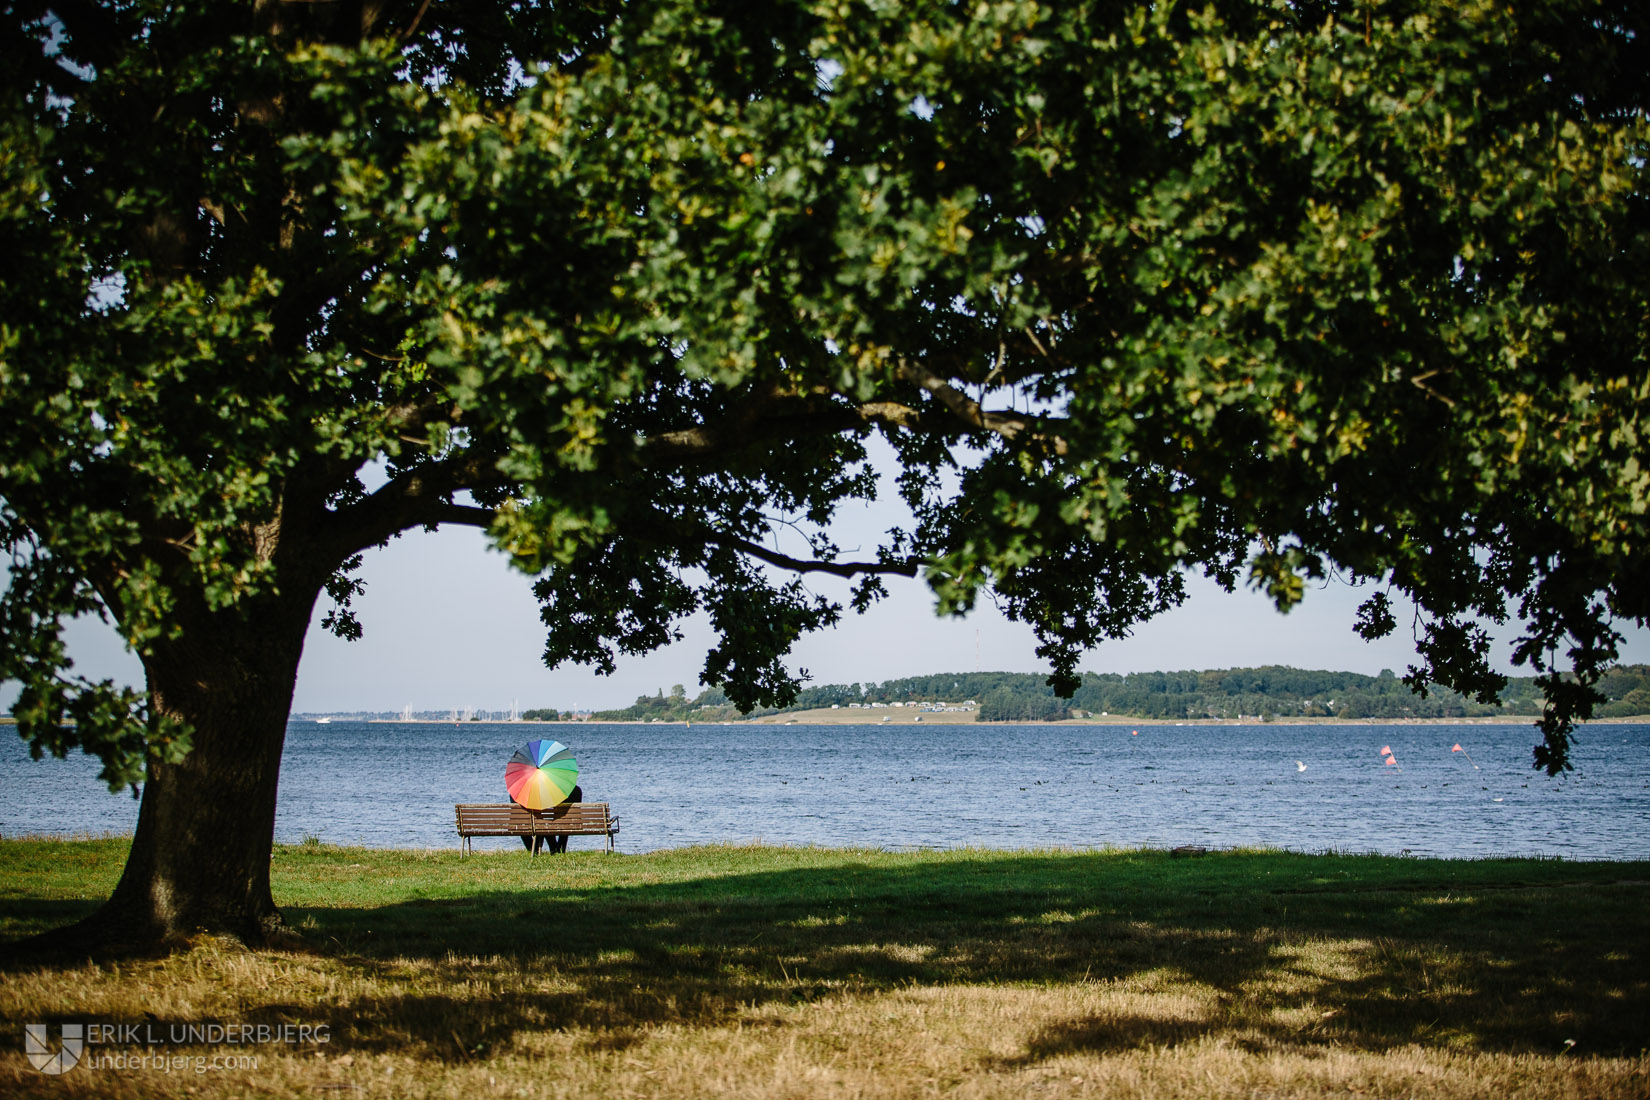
(740,431)
(460,515)
(890,412)
(418,497)
(1010,426)
(777,416)
(746,419)
(805,565)
(414,416)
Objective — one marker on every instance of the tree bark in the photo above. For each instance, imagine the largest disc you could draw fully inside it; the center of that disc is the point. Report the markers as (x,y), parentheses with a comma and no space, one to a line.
(206,828)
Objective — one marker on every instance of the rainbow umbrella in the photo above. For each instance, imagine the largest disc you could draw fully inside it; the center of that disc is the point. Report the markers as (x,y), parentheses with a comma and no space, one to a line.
(541,775)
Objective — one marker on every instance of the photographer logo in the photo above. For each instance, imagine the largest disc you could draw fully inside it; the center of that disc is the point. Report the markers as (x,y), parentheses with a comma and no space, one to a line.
(36,1043)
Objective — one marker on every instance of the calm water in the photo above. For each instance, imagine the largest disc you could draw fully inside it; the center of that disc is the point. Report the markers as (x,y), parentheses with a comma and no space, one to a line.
(394,785)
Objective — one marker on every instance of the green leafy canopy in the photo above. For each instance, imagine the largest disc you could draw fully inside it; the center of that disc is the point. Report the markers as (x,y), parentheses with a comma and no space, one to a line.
(1270,290)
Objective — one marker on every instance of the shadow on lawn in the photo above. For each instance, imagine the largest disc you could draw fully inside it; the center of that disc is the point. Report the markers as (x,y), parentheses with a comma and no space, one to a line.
(1481,968)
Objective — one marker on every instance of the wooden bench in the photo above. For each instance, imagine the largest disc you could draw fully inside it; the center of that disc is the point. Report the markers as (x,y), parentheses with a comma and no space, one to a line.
(508,819)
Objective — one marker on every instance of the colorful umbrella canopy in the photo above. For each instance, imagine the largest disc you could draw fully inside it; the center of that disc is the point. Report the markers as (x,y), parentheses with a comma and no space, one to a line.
(541,774)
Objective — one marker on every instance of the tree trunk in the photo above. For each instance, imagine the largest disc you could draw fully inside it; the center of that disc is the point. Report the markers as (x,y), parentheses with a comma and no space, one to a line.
(206,827)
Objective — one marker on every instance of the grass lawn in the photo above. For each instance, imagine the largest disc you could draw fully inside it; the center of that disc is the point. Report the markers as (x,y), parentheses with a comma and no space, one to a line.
(800,972)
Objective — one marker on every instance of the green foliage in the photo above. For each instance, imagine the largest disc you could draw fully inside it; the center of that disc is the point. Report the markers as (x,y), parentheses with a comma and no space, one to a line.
(1004,705)
(1626,690)
(1276,692)
(1132,289)
(711,705)
(1272,691)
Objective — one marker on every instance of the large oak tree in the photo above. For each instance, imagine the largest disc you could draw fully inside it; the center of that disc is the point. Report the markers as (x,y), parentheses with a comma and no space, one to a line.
(1269,290)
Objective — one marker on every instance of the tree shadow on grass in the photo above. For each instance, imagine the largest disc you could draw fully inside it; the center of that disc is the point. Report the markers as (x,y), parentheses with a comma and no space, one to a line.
(1343,952)
(1440,960)
(32,916)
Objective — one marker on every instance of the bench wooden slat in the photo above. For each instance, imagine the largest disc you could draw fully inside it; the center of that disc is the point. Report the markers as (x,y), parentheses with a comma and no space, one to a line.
(508,819)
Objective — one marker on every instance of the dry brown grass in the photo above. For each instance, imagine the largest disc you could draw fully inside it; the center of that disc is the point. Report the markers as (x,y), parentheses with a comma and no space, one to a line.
(808,974)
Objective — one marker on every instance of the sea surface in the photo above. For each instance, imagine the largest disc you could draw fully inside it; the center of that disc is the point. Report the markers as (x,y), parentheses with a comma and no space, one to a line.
(910,785)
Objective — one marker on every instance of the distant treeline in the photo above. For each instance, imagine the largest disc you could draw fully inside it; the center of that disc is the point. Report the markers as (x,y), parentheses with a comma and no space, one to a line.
(708,706)
(1279,692)
(1266,693)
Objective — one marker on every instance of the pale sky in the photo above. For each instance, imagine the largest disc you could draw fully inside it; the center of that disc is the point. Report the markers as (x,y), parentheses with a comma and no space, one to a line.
(450,625)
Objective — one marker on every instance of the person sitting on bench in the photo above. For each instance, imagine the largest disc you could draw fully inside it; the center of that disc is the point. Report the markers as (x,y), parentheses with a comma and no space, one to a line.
(551,843)
(559,843)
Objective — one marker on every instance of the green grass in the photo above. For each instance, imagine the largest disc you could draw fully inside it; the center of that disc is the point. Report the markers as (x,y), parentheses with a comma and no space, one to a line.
(748,971)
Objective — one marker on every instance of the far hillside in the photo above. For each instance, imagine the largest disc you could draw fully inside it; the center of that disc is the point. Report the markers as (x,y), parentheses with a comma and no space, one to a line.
(1270,692)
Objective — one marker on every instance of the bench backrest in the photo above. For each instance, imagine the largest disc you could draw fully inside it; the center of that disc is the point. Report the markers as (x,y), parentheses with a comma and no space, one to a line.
(507,817)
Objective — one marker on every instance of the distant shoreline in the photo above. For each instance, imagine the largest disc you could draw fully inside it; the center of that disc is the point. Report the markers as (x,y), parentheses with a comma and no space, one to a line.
(832,718)
(896,717)
(857,718)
